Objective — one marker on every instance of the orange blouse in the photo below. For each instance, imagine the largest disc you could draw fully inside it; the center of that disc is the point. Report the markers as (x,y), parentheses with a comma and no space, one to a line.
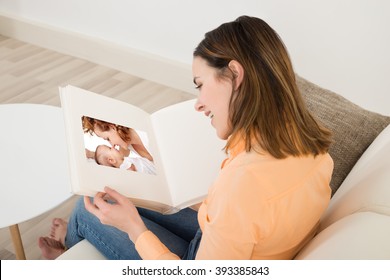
(258,208)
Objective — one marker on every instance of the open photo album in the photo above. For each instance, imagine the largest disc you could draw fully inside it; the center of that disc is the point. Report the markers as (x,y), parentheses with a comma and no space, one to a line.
(184,152)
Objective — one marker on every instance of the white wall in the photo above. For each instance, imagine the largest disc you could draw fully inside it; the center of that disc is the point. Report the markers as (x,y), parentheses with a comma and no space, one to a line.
(342,45)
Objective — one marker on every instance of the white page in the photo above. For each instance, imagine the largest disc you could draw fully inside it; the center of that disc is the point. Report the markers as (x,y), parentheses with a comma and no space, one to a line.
(91,177)
(190,150)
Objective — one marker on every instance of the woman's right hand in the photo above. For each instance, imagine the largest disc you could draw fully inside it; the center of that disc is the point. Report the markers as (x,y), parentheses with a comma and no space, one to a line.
(121,214)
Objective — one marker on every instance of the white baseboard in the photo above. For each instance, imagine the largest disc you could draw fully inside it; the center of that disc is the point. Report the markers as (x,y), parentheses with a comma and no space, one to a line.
(141,64)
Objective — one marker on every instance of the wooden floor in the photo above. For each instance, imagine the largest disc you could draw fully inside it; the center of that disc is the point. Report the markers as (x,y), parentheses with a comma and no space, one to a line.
(31,74)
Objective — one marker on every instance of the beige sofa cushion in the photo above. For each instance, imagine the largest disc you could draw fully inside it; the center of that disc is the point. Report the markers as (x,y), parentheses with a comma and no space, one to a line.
(353,127)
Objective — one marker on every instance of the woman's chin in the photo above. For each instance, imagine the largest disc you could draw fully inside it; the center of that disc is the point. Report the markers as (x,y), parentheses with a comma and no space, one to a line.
(222,135)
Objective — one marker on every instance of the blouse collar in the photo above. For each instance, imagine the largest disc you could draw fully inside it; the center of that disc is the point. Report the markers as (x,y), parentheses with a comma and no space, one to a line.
(237,146)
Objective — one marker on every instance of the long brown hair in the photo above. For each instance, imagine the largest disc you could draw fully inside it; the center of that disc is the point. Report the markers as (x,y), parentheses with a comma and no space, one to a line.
(267,108)
(90,124)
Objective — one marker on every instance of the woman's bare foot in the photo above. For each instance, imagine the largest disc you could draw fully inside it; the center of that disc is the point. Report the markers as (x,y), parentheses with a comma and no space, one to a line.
(50,247)
(54,245)
(58,230)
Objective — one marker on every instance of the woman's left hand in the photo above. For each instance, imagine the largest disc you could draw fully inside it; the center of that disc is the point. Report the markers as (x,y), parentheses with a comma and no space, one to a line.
(121,214)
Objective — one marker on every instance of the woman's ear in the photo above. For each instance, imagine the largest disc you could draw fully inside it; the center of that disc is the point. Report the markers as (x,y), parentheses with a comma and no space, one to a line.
(238,72)
(113,127)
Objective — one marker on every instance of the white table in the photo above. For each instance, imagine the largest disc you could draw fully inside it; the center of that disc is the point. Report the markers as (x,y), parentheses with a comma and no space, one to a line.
(33,164)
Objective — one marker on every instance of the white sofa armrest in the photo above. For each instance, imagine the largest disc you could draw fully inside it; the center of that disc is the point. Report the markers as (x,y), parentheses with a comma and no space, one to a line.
(360,236)
(82,251)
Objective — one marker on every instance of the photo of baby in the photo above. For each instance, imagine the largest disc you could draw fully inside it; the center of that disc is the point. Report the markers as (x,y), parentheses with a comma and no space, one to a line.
(117,146)
(110,156)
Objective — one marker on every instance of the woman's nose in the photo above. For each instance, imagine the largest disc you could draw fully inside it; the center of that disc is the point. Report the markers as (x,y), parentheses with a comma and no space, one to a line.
(199,106)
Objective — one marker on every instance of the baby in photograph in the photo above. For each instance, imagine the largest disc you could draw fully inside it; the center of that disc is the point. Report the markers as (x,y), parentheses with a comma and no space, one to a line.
(109,156)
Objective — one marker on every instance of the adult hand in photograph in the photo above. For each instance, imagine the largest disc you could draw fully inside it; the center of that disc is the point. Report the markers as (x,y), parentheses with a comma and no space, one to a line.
(89,154)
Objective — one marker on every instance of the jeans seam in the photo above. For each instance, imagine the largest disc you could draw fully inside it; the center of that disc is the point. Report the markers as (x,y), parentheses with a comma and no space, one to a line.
(96,238)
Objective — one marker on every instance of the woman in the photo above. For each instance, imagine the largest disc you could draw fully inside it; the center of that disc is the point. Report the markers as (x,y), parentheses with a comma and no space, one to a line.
(126,138)
(274,185)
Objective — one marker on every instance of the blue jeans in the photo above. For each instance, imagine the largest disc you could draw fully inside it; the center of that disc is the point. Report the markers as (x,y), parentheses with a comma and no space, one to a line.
(179,232)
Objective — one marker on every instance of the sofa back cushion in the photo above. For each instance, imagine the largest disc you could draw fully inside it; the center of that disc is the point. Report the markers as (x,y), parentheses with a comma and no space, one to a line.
(353,127)
(367,186)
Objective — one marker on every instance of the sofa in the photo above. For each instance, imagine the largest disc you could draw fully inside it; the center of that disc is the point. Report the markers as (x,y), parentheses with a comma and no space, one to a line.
(356,225)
